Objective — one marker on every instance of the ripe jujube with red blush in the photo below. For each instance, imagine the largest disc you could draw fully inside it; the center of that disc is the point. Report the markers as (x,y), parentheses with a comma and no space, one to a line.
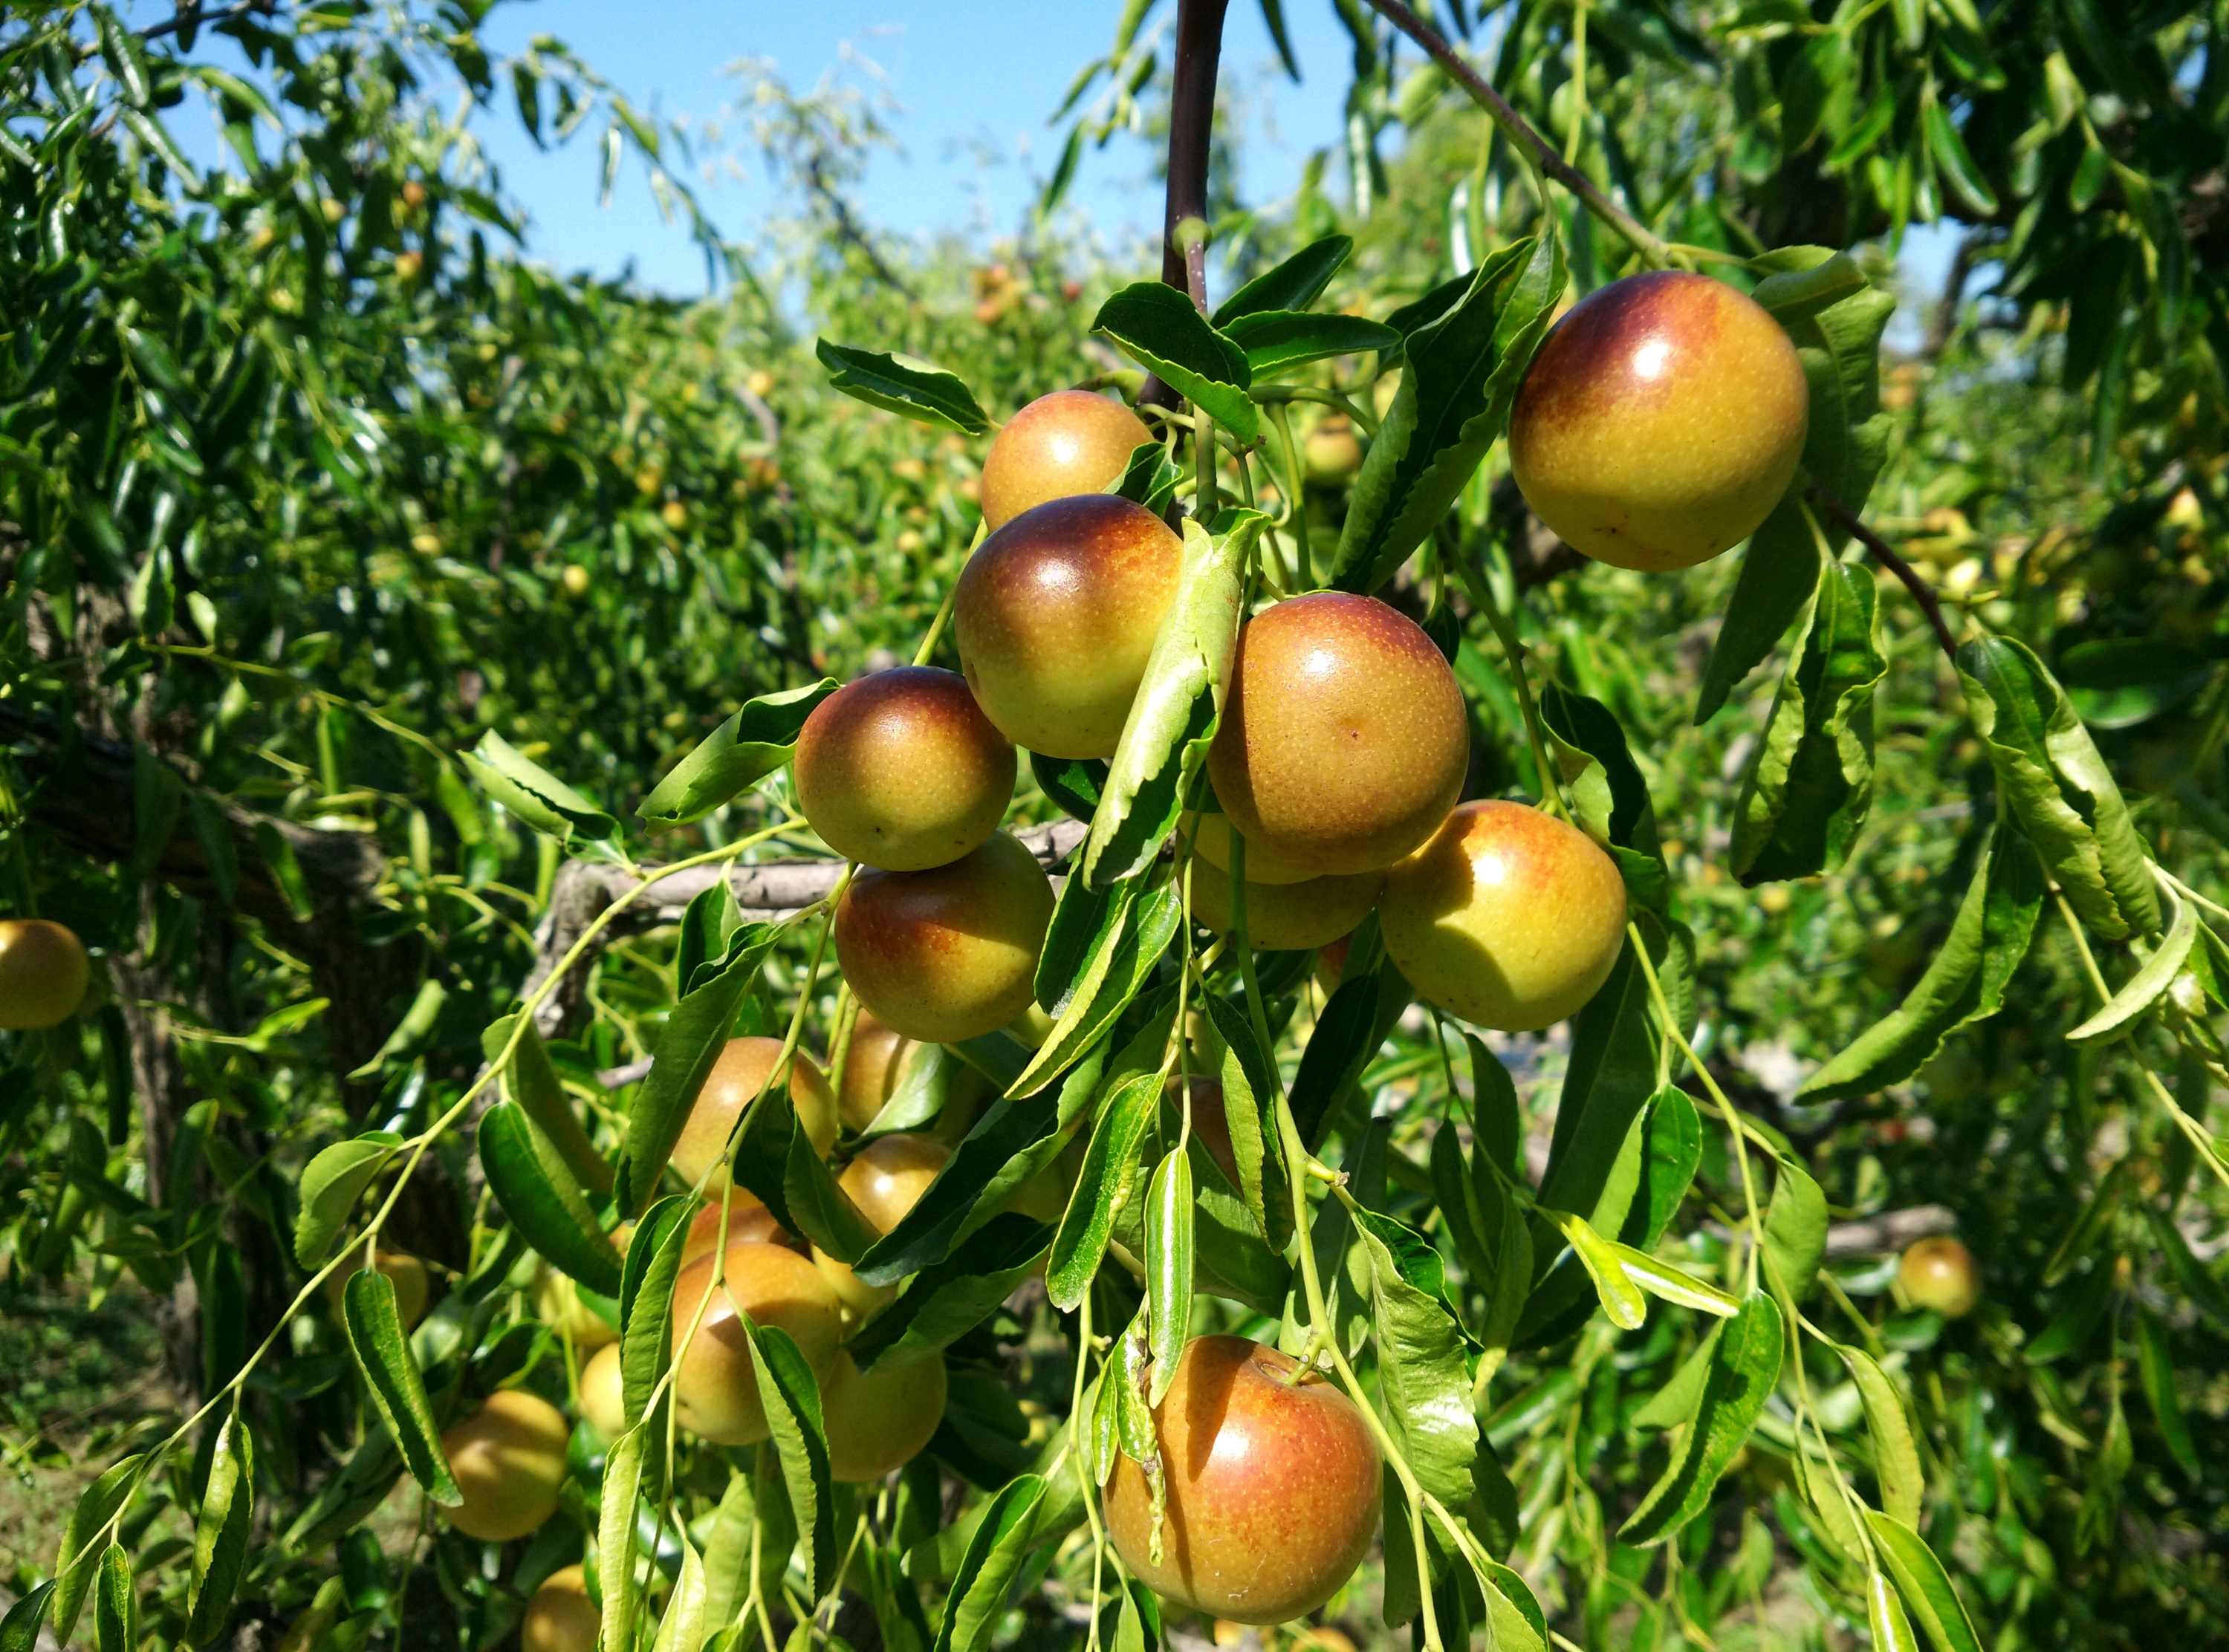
(1343,740)
(950,953)
(1661,421)
(1067,443)
(1056,616)
(1273,1487)
(1508,917)
(902,770)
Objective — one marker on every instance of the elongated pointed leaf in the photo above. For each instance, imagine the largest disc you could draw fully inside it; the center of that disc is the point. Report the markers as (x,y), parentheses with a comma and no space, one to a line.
(332,1184)
(1744,1368)
(1277,341)
(1896,1454)
(79,1558)
(534,1085)
(19,1629)
(536,1189)
(900,385)
(1925,1586)
(1621,1299)
(2143,988)
(535,796)
(793,1413)
(1675,1402)
(115,1606)
(1104,1186)
(1295,284)
(945,1302)
(1158,326)
(987,1571)
(755,741)
(383,1354)
(653,1262)
(1794,1231)
(1102,994)
(1422,1381)
(2156,1364)
(617,1496)
(1170,1259)
(220,1532)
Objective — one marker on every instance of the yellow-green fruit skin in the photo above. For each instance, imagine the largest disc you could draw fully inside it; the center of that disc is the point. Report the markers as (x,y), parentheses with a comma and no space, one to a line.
(715,1382)
(1939,1273)
(1210,839)
(1056,617)
(561,1618)
(603,1400)
(874,1063)
(43,974)
(736,1077)
(1286,916)
(1069,442)
(1343,740)
(950,953)
(885,1181)
(509,1459)
(404,1271)
(557,1300)
(1508,917)
(1661,421)
(902,770)
(880,1421)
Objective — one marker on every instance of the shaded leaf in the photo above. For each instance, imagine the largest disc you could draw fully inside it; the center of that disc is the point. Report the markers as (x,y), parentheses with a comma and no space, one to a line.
(1277,341)
(537,1191)
(1744,1368)
(383,1354)
(1296,283)
(332,1183)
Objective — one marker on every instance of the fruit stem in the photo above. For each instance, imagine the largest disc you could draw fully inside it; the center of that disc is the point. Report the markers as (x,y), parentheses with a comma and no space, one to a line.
(1847,520)
(1651,250)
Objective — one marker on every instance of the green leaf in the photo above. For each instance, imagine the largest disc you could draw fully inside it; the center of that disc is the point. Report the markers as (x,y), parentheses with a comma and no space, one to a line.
(653,1262)
(1925,1586)
(1170,1259)
(1296,283)
(534,1085)
(1078,951)
(77,1561)
(1107,988)
(1104,1186)
(1964,983)
(2081,1307)
(1891,1629)
(1460,373)
(776,1160)
(754,742)
(1896,1455)
(115,1607)
(1844,446)
(1352,1027)
(1157,325)
(988,1569)
(412,1032)
(1811,781)
(1172,721)
(728,1550)
(1151,480)
(278,859)
(1598,766)
(1621,1298)
(1794,1232)
(945,1302)
(1425,1391)
(695,1034)
(800,1442)
(535,796)
(19,1629)
(681,1628)
(2155,1361)
(1954,161)
(1795,294)
(2206,1291)
(1676,1401)
(222,1531)
(2143,988)
(2088,1225)
(382,1354)
(615,1535)
(1277,341)
(2049,771)
(915,389)
(330,1185)
(1745,1369)
(1249,1084)
(537,1191)
(1610,1076)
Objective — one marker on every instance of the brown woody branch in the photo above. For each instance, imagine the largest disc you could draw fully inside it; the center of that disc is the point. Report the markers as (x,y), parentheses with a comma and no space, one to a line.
(1847,520)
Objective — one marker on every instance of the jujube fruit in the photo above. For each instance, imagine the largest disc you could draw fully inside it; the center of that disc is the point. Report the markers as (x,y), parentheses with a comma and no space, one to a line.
(886,1180)
(404,1271)
(1273,1486)
(1508,917)
(561,1618)
(1343,740)
(557,1302)
(879,1421)
(1661,421)
(1210,839)
(950,953)
(748,1219)
(1939,1273)
(1056,616)
(874,1063)
(603,1397)
(1069,442)
(1331,452)
(509,1459)
(43,974)
(715,1385)
(1211,1121)
(902,770)
(1286,916)
(736,1077)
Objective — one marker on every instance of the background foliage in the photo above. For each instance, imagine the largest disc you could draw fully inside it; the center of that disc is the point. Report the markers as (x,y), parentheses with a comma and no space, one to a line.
(312,480)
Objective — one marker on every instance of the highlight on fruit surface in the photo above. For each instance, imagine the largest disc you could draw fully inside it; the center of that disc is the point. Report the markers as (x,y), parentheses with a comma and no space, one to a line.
(716,1387)
(748,1219)
(1661,421)
(43,974)
(560,1616)
(880,1420)
(1508,917)
(886,1180)
(1343,740)
(950,953)
(1940,1273)
(509,1460)
(1069,442)
(902,770)
(603,1400)
(413,1285)
(1286,916)
(1273,1487)
(735,1082)
(1056,617)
